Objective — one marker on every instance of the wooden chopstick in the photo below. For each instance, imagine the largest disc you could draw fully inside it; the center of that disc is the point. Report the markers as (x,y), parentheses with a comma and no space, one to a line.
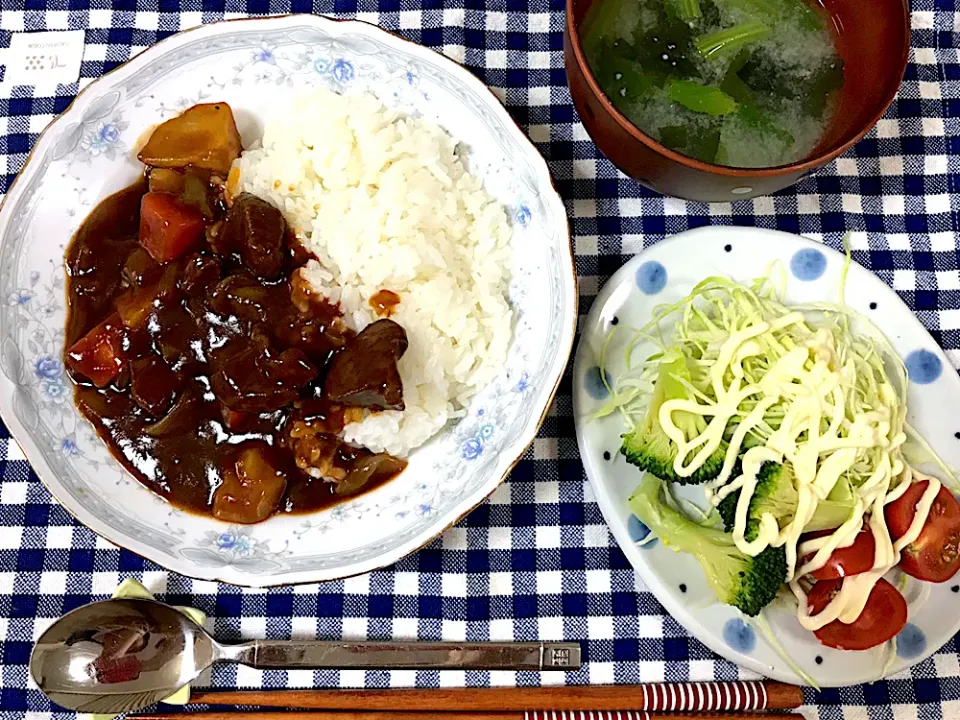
(662,697)
(428,715)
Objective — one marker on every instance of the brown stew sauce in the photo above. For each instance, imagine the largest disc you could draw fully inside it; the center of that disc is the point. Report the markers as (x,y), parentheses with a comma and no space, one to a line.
(224,355)
(384,302)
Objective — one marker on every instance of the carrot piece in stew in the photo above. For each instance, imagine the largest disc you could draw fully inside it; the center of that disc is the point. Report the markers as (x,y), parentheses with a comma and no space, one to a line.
(99,355)
(168,227)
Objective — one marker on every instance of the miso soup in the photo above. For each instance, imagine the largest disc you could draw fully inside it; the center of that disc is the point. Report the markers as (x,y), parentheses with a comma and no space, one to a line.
(744,83)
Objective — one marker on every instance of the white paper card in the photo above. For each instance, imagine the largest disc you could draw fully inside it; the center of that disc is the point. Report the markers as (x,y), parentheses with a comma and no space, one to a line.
(44,58)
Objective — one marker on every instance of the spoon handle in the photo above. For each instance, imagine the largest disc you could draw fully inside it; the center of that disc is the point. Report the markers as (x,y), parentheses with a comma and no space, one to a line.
(405,656)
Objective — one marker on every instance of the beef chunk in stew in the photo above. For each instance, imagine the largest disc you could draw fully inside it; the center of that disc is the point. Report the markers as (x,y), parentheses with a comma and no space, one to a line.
(255,229)
(153,385)
(200,273)
(260,379)
(364,374)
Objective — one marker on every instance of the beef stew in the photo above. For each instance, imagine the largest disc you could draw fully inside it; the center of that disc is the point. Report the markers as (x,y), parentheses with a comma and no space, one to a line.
(199,353)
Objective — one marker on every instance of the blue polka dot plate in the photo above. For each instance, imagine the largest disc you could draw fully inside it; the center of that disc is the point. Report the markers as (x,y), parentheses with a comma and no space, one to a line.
(256,65)
(665,273)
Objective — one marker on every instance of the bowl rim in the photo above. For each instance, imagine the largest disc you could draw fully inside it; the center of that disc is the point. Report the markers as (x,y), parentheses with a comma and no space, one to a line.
(573,37)
(300,577)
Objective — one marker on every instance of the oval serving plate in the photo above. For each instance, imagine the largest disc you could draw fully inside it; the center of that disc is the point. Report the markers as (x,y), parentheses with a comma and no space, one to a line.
(257,65)
(665,273)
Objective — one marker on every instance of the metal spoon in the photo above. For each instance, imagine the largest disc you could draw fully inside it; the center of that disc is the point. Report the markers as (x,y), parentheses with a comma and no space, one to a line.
(123,655)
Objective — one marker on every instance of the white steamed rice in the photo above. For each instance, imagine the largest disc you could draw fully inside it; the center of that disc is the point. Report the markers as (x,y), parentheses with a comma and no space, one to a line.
(383,201)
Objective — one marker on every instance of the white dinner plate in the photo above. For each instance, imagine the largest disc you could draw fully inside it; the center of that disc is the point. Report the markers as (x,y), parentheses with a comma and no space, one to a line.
(665,273)
(258,66)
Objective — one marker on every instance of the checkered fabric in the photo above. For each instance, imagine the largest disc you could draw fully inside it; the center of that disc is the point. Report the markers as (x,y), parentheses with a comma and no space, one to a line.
(536,560)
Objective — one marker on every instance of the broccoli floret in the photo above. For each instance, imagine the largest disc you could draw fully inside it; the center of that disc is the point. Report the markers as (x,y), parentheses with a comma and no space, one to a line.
(747,583)
(650,448)
(775,494)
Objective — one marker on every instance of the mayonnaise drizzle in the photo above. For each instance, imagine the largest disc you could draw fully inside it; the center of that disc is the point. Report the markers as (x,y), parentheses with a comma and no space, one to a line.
(847,605)
(808,381)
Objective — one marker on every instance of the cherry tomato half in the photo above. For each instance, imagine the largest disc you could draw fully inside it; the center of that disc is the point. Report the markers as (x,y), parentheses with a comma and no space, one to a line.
(852,560)
(883,617)
(935,555)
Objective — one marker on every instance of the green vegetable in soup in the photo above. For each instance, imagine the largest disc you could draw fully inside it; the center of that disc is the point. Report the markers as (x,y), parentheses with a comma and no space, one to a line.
(701,98)
(765,11)
(736,88)
(623,80)
(674,136)
(777,12)
(747,83)
(749,138)
(599,25)
(756,119)
(808,18)
(827,80)
(684,9)
(728,40)
(701,144)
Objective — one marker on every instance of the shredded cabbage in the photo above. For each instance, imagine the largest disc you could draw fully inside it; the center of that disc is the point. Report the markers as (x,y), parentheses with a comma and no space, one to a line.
(771,638)
(717,309)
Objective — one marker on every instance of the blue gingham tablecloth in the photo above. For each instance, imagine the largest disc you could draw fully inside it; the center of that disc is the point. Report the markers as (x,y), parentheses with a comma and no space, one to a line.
(536,560)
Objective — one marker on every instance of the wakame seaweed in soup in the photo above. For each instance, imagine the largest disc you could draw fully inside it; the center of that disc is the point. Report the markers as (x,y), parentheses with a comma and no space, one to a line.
(745,83)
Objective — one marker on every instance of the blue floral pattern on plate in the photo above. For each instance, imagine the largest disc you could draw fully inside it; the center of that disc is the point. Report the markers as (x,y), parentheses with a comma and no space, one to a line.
(256,66)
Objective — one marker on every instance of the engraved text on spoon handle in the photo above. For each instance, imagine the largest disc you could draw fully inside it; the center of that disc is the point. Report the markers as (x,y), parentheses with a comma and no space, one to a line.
(411,656)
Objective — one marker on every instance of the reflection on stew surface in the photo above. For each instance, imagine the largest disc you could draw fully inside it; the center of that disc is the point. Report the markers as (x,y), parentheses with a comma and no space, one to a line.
(204,360)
